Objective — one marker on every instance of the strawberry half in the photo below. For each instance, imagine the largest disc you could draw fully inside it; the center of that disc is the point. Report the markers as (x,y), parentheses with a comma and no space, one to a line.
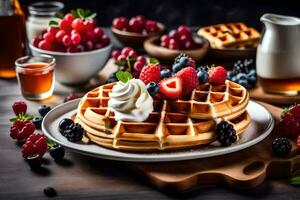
(171,88)
(217,75)
(35,144)
(150,73)
(189,78)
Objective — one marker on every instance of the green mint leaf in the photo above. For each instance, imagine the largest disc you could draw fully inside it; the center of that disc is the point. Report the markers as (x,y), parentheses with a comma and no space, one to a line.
(50,143)
(59,15)
(295,180)
(154,61)
(124,76)
(74,13)
(86,13)
(80,13)
(53,23)
(91,16)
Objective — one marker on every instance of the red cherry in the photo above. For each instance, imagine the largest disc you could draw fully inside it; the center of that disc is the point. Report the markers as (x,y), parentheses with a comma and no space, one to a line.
(183,39)
(105,40)
(90,35)
(141,59)
(44,45)
(165,38)
(173,44)
(141,18)
(69,17)
(183,30)
(164,44)
(151,26)
(115,54)
(188,45)
(80,48)
(121,58)
(138,66)
(132,54)
(66,40)
(19,107)
(89,45)
(77,24)
(59,35)
(71,49)
(98,46)
(98,32)
(174,34)
(65,25)
(52,30)
(126,51)
(36,41)
(120,22)
(76,38)
(136,25)
(49,37)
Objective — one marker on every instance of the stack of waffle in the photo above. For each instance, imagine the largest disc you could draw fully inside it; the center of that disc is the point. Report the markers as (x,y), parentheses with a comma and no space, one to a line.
(172,125)
(231,35)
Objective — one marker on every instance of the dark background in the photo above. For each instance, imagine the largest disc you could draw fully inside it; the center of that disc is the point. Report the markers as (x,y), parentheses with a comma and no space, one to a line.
(191,12)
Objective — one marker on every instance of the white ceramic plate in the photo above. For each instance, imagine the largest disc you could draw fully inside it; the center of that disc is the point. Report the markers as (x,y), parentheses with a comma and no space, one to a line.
(262,124)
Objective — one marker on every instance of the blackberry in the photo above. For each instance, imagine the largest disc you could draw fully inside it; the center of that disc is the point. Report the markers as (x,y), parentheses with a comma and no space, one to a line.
(281,146)
(64,123)
(57,152)
(44,109)
(225,133)
(74,132)
(34,161)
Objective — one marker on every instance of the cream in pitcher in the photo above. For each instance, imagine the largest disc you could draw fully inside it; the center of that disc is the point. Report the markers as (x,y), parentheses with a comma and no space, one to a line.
(278,54)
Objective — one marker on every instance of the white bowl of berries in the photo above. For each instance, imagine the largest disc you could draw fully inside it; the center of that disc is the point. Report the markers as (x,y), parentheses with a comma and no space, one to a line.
(133,32)
(80,48)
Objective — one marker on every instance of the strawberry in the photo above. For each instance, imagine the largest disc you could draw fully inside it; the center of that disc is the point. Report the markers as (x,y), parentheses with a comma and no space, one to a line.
(217,75)
(290,122)
(150,73)
(171,88)
(21,130)
(35,144)
(19,107)
(189,79)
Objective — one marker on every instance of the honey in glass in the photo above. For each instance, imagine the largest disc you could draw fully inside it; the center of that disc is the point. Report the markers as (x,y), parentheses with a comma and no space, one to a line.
(12,35)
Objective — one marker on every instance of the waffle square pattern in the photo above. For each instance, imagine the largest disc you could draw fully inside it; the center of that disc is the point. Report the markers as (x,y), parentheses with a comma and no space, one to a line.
(172,125)
(231,35)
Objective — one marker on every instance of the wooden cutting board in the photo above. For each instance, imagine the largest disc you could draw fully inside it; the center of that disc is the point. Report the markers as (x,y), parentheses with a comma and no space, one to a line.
(244,169)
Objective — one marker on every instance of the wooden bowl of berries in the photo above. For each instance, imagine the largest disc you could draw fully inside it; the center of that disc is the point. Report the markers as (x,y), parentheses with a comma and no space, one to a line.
(80,48)
(167,47)
(135,31)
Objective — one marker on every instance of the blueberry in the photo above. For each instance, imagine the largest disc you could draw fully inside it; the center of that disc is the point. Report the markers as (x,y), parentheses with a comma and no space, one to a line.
(241,76)
(202,76)
(252,72)
(44,109)
(176,67)
(37,121)
(152,88)
(165,73)
(234,79)
(184,62)
(34,161)
(230,74)
(57,152)
(64,123)
(113,75)
(244,82)
(50,192)
(252,80)
(111,80)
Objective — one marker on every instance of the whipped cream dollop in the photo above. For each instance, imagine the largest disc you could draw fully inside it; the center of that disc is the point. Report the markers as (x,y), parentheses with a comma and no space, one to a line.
(130,101)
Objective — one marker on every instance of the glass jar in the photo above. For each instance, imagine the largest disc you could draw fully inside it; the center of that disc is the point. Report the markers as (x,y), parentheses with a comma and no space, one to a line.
(40,13)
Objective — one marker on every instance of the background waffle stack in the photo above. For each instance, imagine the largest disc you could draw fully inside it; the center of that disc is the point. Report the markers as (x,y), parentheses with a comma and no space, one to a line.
(172,125)
(231,35)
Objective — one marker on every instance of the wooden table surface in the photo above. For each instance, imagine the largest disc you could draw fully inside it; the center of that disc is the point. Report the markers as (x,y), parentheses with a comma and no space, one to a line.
(82,177)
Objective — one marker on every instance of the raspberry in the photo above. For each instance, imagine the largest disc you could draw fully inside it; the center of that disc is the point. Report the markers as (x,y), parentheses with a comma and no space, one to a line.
(189,78)
(298,142)
(281,146)
(226,133)
(290,122)
(217,75)
(150,73)
(21,130)
(19,107)
(35,144)
(171,88)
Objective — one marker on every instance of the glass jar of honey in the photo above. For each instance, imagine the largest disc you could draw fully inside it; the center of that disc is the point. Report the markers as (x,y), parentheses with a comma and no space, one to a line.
(12,36)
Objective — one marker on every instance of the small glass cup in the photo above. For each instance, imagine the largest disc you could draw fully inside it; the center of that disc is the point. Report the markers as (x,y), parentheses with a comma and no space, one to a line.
(36,76)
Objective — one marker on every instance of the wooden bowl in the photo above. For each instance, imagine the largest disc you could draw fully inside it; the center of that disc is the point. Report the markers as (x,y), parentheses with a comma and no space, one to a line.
(135,40)
(167,56)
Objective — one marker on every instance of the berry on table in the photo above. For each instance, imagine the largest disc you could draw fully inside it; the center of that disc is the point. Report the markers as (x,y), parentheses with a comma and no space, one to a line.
(165,73)
(190,80)
(34,161)
(43,110)
(21,130)
(35,144)
(74,132)
(57,152)
(225,133)
(217,75)
(37,121)
(50,192)
(19,107)
(150,73)
(64,124)
(152,88)
(171,88)
(281,146)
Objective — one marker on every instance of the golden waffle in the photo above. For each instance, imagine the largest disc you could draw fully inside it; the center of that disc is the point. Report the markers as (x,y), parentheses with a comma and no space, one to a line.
(168,126)
(231,35)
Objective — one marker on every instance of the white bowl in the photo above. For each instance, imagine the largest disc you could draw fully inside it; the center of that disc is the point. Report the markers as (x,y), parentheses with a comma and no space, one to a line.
(76,68)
